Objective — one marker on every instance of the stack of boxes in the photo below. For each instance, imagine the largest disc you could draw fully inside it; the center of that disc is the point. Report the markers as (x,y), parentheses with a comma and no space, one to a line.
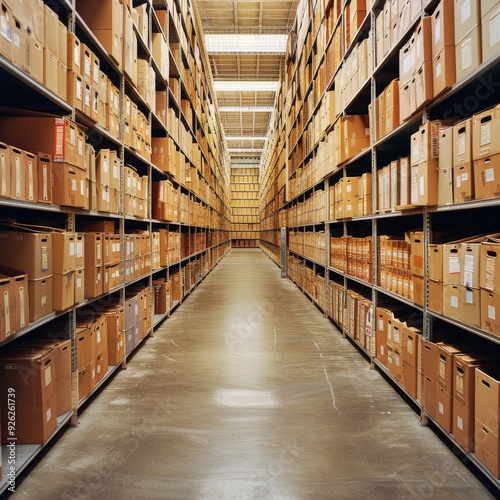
(351,197)
(14,307)
(393,182)
(351,136)
(443,47)
(387,110)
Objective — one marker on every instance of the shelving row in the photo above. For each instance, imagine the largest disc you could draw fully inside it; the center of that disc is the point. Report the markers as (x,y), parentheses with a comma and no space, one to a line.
(115,192)
(400,169)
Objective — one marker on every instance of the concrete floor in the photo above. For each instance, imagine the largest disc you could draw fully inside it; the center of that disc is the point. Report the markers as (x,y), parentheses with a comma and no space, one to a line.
(247,392)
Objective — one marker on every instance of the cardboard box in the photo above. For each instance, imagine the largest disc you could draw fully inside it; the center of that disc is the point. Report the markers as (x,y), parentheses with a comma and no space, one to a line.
(429,397)
(30,374)
(451,300)
(410,379)
(435,299)
(463,426)
(112,43)
(462,143)
(488,397)
(424,86)
(14,314)
(487,448)
(490,312)
(60,137)
(470,307)
(489,32)
(31,176)
(86,382)
(51,31)
(64,252)
(40,298)
(490,266)
(63,291)
(417,252)
(468,54)
(74,89)
(94,249)
(62,358)
(487,177)
(28,252)
(486,133)
(445,182)
(463,185)
(44,178)
(69,185)
(5,170)
(79,285)
(469,264)
(102,364)
(444,407)
(424,183)
(82,340)
(467,17)
(17,174)
(451,262)
(443,70)
(50,68)
(34,424)
(443,27)
(94,280)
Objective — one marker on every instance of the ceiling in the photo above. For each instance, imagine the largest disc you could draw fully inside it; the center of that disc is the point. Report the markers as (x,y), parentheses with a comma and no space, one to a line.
(246,114)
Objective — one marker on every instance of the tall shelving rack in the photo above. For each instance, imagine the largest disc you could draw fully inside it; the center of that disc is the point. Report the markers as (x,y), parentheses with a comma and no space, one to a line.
(301,165)
(207,187)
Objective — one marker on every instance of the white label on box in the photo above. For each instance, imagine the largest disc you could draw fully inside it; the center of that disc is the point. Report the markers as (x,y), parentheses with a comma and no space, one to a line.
(17,174)
(494,29)
(459,181)
(76,54)
(441,408)
(416,152)
(453,264)
(454,301)
(48,374)
(489,175)
(43,300)
(422,186)
(105,167)
(16,40)
(71,249)
(467,54)
(381,325)
(78,282)
(82,188)
(31,194)
(468,270)
(98,250)
(73,184)
(116,171)
(136,311)
(409,346)
(491,313)
(437,32)
(465,177)
(3,174)
(98,335)
(49,415)
(465,11)
(87,67)
(486,133)
(72,136)
(79,249)
(87,97)
(461,144)
(398,361)
(22,306)
(469,297)
(5,30)
(7,312)
(348,188)
(438,70)
(44,254)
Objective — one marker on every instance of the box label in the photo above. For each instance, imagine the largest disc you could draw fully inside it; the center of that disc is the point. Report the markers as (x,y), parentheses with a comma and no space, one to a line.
(409,345)
(22,306)
(3,174)
(468,270)
(79,249)
(459,384)
(467,54)
(438,70)
(485,133)
(465,11)
(494,30)
(453,264)
(489,175)
(469,297)
(78,282)
(6,312)
(44,260)
(490,272)
(441,408)
(491,313)
(43,300)
(454,301)
(437,32)
(49,414)
(48,374)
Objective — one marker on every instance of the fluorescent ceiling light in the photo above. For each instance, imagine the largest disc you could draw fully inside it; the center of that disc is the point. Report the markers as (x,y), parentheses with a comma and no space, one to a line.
(245,138)
(246,109)
(246,44)
(248,85)
(245,150)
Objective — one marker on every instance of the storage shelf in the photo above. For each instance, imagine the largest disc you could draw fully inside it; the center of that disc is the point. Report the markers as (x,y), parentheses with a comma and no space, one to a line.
(33,95)
(398,297)
(467,327)
(468,205)
(26,453)
(307,258)
(392,380)
(111,370)
(470,456)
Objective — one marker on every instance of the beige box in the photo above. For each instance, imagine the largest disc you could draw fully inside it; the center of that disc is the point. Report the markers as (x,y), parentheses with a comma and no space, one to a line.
(443,27)
(64,252)
(443,70)
(462,142)
(40,298)
(463,184)
(50,71)
(445,165)
(487,177)
(63,291)
(51,31)
(486,133)
(468,54)
(79,285)
(489,32)
(424,183)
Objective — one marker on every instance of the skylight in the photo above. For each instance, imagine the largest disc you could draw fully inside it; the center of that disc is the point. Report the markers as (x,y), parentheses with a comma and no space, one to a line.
(246,44)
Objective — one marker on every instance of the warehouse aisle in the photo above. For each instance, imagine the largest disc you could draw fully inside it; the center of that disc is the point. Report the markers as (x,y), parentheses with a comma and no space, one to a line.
(247,392)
